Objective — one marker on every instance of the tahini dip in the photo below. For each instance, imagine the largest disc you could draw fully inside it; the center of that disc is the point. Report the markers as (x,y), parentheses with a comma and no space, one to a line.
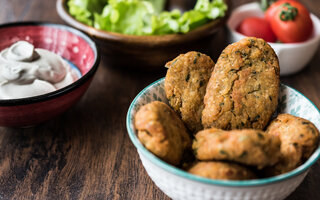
(26,71)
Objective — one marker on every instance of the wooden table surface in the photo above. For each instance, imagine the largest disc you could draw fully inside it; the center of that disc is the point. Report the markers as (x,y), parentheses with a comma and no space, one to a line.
(86,153)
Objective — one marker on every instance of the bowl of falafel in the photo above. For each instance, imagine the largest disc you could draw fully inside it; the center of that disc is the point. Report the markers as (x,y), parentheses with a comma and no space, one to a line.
(225,130)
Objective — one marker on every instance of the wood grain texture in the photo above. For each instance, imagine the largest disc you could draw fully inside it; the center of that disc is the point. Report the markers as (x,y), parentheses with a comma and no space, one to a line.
(86,153)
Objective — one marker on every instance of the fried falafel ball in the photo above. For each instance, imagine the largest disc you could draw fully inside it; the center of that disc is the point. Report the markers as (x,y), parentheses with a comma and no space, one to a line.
(244,87)
(299,139)
(162,132)
(185,86)
(221,170)
(248,146)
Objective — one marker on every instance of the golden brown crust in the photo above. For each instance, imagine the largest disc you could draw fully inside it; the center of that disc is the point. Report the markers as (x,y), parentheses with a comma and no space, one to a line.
(299,138)
(247,146)
(243,89)
(222,171)
(162,132)
(185,86)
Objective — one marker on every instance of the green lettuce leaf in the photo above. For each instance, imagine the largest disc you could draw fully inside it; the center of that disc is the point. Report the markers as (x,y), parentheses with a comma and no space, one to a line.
(166,23)
(158,5)
(125,16)
(144,17)
(212,9)
(83,10)
(191,20)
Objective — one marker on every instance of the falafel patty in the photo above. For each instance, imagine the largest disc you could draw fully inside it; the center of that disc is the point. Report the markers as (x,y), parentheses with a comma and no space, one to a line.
(222,171)
(299,138)
(244,87)
(185,86)
(247,146)
(162,132)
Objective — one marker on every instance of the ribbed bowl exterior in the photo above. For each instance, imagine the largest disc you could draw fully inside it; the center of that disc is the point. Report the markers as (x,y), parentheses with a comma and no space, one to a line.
(179,188)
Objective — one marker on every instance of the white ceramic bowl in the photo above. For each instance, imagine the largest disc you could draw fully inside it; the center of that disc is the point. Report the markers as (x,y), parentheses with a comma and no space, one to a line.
(179,184)
(293,57)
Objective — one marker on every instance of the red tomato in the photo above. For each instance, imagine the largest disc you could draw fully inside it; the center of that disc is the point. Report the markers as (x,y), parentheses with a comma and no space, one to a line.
(270,12)
(257,27)
(291,22)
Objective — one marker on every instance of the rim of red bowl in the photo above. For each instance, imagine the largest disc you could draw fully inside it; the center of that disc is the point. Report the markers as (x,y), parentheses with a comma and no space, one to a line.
(64,90)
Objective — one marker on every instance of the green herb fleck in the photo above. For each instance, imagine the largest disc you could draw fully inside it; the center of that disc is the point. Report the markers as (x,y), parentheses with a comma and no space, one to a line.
(188,77)
(243,54)
(244,154)
(195,151)
(147,132)
(243,138)
(223,152)
(260,135)
(195,59)
(251,42)
(201,83)
(256,118)
(172,63)
(270,98)
(263,59)
(313,131)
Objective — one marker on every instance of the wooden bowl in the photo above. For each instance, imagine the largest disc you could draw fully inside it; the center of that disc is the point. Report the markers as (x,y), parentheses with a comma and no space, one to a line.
(146,52)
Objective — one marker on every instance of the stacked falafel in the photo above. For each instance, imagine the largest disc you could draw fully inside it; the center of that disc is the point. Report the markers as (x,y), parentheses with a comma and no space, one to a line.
(221,112)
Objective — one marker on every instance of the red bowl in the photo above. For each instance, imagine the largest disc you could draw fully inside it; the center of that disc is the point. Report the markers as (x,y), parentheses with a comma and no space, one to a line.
(72,45)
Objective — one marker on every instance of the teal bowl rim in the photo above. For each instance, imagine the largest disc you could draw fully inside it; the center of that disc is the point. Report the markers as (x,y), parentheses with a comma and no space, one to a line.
(179,172)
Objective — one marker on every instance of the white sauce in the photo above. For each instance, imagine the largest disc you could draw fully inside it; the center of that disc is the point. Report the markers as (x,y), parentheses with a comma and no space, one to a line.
(26,71)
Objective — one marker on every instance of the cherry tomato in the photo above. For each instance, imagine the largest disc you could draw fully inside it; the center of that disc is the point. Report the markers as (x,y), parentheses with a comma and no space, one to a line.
(291,22)
(270,12)
(257,27)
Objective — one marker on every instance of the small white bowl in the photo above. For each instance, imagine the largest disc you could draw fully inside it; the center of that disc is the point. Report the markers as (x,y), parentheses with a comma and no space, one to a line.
(293,57)
(179,184)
